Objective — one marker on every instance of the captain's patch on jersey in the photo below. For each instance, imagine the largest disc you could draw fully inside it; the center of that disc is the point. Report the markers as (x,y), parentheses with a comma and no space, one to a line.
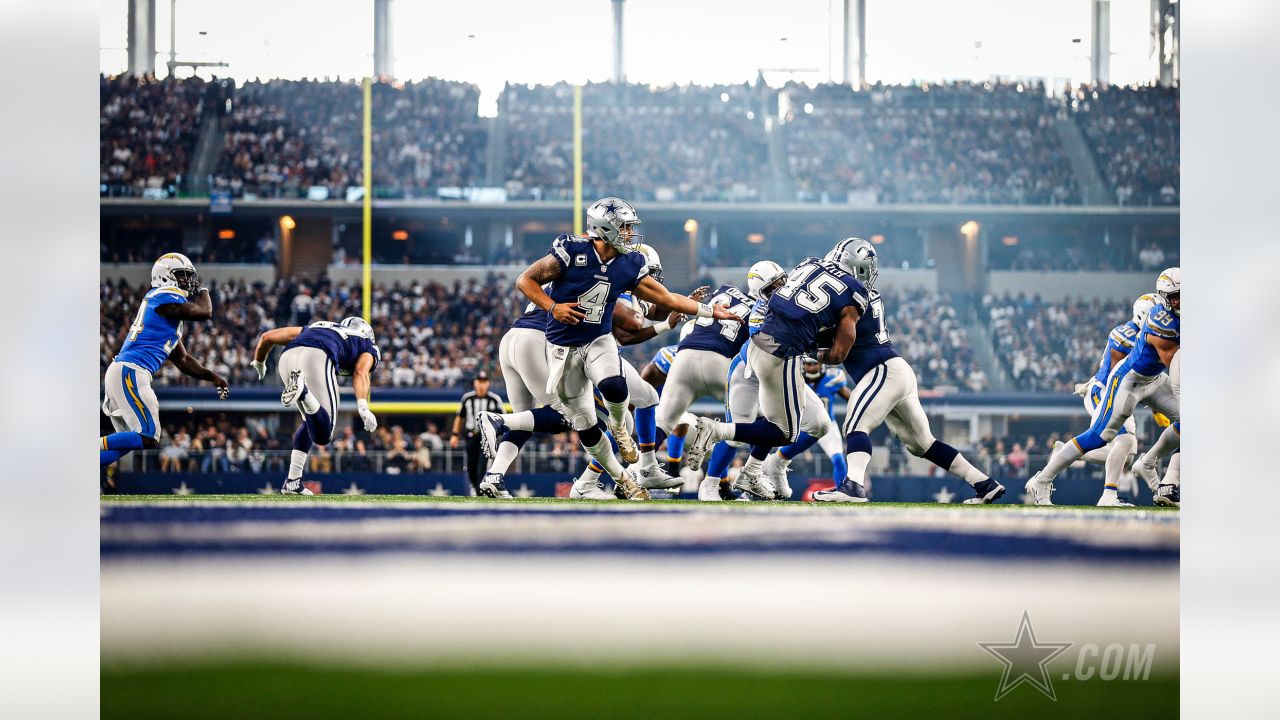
(580,260)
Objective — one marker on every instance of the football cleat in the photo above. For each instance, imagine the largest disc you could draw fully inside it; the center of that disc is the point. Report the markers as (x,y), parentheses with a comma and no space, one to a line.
(988,492)
(753,486)
(294,487)
(1147,473)
(1041,491)
(709,490)
(775,473)
(590,491)
(492,428)
(848,492)
(654,479)
(293,389)
(493,487)
(1113,501)
(630,488)
(1169,495)
(627,449)
(698,442)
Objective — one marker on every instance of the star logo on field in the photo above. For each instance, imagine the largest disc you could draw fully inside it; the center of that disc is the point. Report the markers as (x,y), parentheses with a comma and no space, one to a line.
(1026,660)
(353,490)
(439,491)
(944,495)
(524,492)
(182,489)
(267,489)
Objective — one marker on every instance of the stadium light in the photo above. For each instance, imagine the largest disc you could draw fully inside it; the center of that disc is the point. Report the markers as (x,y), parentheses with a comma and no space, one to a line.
(808,108)
(400,235)
(1009,240)
(755,238)
(970,228)
(287,223)
(227,234)
(691,225)
(877,239)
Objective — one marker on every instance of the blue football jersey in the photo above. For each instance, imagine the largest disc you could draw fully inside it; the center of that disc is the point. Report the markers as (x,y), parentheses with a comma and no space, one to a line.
(534,317)
(828,387)
(872,345)
(1161,322)
(808,305)
(664,356)
(592,283)
(1121,339)
(341,345)
(723,337)
(151,337)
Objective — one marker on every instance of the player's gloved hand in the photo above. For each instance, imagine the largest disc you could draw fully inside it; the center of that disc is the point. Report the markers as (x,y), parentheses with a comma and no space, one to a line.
(700,294)
(567,313)
(220,384)
(1081,389)
(261,367)
(370,422)
(1161,419)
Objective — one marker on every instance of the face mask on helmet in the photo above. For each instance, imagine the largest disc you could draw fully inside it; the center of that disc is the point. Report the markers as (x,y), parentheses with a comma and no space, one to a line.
(613,220)
(812,369)
(358,326)
(858,257)
(763,278)
(1169,289)
(175,270)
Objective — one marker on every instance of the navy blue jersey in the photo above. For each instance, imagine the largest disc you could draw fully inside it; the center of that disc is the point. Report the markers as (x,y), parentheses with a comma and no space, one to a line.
(151,336)
(341,345)
(808,305)
(723,337)
(534,317)
(872,346)
(592,283)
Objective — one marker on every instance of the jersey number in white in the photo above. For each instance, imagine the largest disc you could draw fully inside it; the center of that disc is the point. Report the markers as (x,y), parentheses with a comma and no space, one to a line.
(877,312)
(729,329)
(813,296)
(592,302)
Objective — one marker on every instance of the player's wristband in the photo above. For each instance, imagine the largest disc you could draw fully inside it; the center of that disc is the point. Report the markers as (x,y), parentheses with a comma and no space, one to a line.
(362,405)
(552,309)
(659,328)
(704,311)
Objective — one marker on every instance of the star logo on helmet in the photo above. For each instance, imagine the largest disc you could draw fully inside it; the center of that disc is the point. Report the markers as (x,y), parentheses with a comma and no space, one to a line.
(612,207)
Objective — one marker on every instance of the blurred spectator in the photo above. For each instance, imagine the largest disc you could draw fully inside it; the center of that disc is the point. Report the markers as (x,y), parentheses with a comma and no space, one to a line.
(1050,347)
(147,133)
(1134,134)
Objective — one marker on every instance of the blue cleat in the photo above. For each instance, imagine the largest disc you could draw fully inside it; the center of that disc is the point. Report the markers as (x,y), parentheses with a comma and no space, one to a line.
(848,492)
(1169,495)
(492,428)
(988,492)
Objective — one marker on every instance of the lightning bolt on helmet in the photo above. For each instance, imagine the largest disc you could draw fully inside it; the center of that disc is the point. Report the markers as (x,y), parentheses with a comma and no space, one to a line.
(1141,307)
(1167,285)
(608,217)
(651,259)
(358,327)
(174,270)
(761,277)
(859,257)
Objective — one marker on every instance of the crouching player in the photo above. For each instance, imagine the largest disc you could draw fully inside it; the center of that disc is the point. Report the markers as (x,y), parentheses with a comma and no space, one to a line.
(312,360)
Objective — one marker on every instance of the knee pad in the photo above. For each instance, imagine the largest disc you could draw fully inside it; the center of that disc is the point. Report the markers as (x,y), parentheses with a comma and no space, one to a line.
(858,442)
(614,389)
(590,436)
(581,420)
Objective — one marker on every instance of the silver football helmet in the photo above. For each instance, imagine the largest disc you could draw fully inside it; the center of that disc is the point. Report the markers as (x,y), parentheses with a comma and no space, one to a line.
(608,217)
(1141,307)
(1167,285)
(358,327)
(762,278)
(651,259)
(859,257)
(175,270)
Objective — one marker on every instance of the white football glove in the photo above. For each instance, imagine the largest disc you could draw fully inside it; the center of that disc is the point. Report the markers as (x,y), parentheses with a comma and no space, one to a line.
(1082,389)
(370,422)
(261,367)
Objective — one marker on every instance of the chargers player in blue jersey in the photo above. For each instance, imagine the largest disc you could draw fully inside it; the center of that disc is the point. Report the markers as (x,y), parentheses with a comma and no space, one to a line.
(885,392)
(313,359)
(1139,378)
(154,337)
(587,275)
(655,373)
(819,304)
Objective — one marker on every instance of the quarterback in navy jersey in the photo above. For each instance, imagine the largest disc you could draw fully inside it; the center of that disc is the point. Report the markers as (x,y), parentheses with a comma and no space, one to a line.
(586,276)
(313,359)
(885,392)
(1140,378)
(154,338)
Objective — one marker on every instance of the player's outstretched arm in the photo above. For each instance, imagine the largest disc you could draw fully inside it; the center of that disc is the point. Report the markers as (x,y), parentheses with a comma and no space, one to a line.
(197,308)
(653,291)
(360,384)
(268,340)
(191,367)
(846,331)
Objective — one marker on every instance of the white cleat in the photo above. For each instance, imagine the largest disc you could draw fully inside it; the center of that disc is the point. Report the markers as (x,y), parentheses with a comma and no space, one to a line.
(590,491)
(293,389)
(1041,491)
(654,479)
(627,448)
(1113,502)
(631,489)
(775,473)
(1148,473)
(493,487)
(709,490)
(754,486)
(697,443)
(491,431)
(295,487)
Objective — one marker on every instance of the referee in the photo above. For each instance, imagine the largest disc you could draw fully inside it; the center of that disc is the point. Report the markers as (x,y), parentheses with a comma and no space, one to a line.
(472,404)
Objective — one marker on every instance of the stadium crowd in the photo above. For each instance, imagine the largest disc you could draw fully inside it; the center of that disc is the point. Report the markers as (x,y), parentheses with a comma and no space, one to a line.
(147,133)
(1134,135)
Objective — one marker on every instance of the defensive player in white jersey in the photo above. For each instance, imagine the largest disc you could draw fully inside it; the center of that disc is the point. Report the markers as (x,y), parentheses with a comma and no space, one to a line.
(313,359)
(1140,378)
(885,392)
(587,275)
(155,336)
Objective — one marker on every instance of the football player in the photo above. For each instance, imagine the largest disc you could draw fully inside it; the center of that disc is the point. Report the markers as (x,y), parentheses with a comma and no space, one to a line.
(885,392)
(1139,378)
(828,383)
(587,275)
(312,360)
(155,336)
(820,303)
(1167,491)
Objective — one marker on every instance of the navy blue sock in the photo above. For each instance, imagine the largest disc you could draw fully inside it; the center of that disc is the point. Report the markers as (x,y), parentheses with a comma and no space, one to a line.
(548,420)
(320,425)
(760,452)
(517,437)
(941,454)
(858,442)
(302,438)
(589,437)
(613,389)
(760,432)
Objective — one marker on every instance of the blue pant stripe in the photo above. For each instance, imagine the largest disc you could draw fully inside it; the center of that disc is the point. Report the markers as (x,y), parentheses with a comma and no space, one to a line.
(884,375)
(786,396)
(855,415)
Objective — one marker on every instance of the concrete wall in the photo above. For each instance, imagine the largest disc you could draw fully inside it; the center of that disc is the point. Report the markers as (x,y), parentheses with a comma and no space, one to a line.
(1059,285)
(140,273)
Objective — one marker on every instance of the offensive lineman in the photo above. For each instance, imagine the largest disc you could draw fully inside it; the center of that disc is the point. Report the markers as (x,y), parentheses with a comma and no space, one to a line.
(154,337)
(312,360)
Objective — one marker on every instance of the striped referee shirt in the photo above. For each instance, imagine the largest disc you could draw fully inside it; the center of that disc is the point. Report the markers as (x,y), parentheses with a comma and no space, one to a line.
(472,405)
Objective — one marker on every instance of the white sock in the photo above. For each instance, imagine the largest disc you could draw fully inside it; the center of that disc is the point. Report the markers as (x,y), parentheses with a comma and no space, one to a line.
(602,451)
(310,403)
(589,476)
(1108,493)
(502,460)
(297,463)
(1097,456)
(858,462)
(618,412)
(648,459)
(1067,453)
(753,466)
(1168,441)
(519,421)
(965,470)
(721,430)
(1121,448)
(1173,473)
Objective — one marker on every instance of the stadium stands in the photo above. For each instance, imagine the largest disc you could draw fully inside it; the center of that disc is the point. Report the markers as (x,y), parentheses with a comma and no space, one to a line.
(147,133)
(1134,134)
(1050,346)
